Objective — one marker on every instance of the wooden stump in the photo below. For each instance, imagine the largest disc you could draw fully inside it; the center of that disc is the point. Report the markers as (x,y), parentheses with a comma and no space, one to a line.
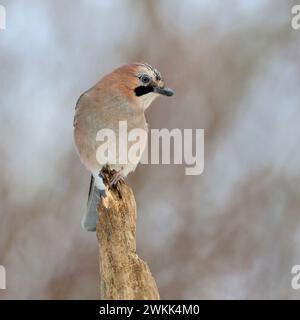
(123,275)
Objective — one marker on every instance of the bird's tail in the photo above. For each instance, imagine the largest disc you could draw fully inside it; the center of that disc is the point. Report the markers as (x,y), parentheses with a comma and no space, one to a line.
(89,220)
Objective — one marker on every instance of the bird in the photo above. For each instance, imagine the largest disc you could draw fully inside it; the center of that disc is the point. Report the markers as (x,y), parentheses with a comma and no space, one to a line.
(121,95)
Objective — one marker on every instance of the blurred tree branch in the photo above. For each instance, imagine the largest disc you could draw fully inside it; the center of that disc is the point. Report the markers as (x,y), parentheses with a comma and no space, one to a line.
(123,275)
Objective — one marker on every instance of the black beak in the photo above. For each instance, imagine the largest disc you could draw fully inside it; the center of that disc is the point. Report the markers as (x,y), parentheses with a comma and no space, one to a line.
(164,91)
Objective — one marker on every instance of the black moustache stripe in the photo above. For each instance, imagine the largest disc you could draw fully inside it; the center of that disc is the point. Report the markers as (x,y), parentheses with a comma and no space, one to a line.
(140,91)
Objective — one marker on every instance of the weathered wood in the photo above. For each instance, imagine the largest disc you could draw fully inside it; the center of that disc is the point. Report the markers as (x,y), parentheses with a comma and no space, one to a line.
(123,275)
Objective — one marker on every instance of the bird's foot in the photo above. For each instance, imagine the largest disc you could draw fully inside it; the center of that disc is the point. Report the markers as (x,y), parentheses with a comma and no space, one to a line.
(111,179)
(118,176)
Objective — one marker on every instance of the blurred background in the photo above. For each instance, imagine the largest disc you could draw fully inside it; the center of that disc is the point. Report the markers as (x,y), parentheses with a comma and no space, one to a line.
(232,232)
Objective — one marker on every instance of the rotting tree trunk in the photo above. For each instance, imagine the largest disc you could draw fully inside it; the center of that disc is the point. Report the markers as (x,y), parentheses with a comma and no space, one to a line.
(123,275)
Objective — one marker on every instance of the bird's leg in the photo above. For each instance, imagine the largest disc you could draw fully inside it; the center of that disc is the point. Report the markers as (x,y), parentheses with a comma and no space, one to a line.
(118,176)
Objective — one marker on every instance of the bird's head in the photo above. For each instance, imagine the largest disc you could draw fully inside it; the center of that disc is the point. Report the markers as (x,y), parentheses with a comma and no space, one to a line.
(140,82)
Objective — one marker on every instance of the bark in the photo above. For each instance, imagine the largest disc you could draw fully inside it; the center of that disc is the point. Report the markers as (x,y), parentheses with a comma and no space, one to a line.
(123,275)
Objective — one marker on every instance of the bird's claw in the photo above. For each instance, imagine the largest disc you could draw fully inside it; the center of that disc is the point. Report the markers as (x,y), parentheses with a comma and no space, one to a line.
(118,176)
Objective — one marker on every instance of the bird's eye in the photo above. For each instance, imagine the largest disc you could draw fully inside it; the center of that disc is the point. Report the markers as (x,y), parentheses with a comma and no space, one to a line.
(145,79)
